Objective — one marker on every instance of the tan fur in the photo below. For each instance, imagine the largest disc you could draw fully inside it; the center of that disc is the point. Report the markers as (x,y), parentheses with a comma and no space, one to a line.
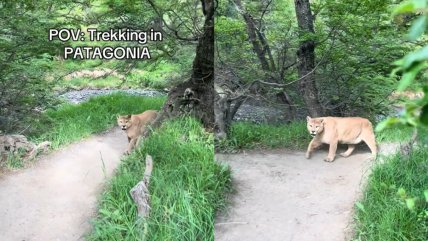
(134,125)
(334,130)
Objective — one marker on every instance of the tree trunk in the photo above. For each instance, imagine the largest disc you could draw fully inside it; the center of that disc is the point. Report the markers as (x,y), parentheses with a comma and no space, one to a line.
(200,87)
(306,58)
(257,39)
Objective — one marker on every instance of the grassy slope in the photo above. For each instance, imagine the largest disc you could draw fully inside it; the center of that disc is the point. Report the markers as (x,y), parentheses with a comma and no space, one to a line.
(70,123)
(187,187)
(382,213)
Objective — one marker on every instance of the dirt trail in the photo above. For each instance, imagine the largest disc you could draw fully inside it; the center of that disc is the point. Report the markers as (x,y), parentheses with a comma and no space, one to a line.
(282,196)
(56,198)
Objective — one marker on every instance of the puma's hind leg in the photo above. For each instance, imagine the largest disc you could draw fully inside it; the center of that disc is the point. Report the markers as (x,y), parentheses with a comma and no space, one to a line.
(370,140)
(348,152)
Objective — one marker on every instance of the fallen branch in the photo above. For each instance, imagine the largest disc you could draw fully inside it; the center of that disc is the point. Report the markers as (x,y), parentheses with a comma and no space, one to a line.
(140,192)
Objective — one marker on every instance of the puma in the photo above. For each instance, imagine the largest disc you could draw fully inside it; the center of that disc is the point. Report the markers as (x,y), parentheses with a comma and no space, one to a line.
(134,125)
(345,130)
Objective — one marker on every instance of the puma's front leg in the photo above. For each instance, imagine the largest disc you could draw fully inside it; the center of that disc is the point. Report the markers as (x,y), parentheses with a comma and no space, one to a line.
(131,146)
(331,151)
(312,145)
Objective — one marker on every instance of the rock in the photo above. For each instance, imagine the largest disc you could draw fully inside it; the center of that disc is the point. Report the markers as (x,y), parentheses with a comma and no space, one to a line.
(20,146)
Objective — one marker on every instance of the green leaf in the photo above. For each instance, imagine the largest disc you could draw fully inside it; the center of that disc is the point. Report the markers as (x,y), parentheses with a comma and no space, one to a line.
(426,195)
(406,80)
(404,7)
(360,206)
(401,192)
(409,76)
(418,28)
(386,123)
(424,115)
(419,4)
(410,203)
(395,71)
(417,56)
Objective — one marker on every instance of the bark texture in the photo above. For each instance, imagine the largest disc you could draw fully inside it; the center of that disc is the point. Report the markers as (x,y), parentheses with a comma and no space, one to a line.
(306,58)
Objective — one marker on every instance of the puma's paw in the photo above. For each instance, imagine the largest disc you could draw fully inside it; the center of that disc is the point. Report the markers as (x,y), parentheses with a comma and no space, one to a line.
(344,154)
(329,159)
(308,155)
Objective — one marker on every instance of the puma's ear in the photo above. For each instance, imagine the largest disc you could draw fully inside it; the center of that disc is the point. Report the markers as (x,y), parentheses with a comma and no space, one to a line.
(128,116)
(117,116)
(308,118)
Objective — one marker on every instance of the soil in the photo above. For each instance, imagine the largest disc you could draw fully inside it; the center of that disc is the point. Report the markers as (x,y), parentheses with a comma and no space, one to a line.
(282,196)
(57,197)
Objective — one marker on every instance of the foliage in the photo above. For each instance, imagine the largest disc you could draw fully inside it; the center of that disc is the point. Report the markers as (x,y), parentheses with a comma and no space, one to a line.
(387,212)
(25,57)
(355,43)
(70,123)
(416,112)
(31,66)
(395,205)
(187,187)
(358,41)
(171,59)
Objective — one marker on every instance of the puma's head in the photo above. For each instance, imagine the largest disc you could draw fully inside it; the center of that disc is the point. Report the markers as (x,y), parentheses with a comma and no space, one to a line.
(124,121)
(315,126)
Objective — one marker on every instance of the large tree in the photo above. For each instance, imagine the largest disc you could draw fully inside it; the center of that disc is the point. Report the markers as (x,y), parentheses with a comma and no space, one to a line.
(196,95)
(306,58)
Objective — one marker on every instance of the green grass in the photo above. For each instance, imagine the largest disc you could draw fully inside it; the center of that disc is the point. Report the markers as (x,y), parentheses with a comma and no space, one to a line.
(84,82)
(14,162)
(401,134)
(382,213)
(187,187)
(245,135)
(70,122)
(397,134)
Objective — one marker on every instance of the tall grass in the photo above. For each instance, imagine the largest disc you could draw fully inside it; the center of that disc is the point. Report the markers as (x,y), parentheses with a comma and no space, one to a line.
(70,122)
(382,213)
(187,187)
(245,135)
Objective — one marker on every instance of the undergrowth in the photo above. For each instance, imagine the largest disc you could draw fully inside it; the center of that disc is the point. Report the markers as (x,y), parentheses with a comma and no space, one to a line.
(385,212)
(187,187)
